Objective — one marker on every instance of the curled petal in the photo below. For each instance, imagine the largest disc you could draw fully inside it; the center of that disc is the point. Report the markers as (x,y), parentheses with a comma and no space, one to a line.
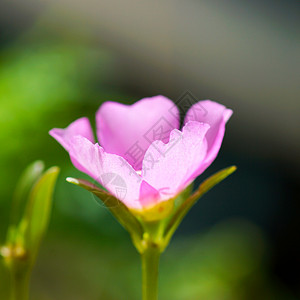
(216,115)
(111,171)
(128,130)
(170,167)
(80,127)
(149,196)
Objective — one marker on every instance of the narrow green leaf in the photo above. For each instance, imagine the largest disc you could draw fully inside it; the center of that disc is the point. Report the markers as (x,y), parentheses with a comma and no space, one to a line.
(116,207)
(37,214)
(183,196)
(214,179)
(22,191)
(186,205)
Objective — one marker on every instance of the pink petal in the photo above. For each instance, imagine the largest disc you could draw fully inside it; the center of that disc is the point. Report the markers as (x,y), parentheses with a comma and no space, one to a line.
(216,115)
(128,130)
(110,170)
(148,195)
(169,168)
(80,127)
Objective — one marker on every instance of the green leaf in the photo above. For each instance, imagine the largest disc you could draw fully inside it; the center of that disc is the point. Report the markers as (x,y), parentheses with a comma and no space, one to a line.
(180,199)
(37,213)
(190,201)
(116,207)
(23,188)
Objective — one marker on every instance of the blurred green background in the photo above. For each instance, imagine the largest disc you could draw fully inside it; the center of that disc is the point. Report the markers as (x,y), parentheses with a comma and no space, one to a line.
(60,61)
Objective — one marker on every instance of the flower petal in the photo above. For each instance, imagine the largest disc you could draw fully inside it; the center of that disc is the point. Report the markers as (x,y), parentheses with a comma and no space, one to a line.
(216,115)
(110,170)
(128,130)
(81,127)
(148,195)
(169,168)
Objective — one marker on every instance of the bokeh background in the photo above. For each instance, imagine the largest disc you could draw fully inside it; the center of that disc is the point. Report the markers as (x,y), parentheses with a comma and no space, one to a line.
(59,60)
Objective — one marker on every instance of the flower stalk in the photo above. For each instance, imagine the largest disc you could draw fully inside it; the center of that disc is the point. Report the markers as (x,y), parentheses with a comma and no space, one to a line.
(30,215)
(150,265)
(20,285)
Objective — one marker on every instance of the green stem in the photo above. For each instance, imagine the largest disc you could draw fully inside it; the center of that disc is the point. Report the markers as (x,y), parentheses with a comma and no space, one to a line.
(150,264)
(20,285)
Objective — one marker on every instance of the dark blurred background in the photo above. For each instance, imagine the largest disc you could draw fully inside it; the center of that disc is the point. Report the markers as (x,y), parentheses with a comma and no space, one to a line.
(59,60)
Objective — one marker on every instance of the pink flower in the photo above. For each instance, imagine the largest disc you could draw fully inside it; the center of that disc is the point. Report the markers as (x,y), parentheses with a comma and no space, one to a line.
(143,158)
